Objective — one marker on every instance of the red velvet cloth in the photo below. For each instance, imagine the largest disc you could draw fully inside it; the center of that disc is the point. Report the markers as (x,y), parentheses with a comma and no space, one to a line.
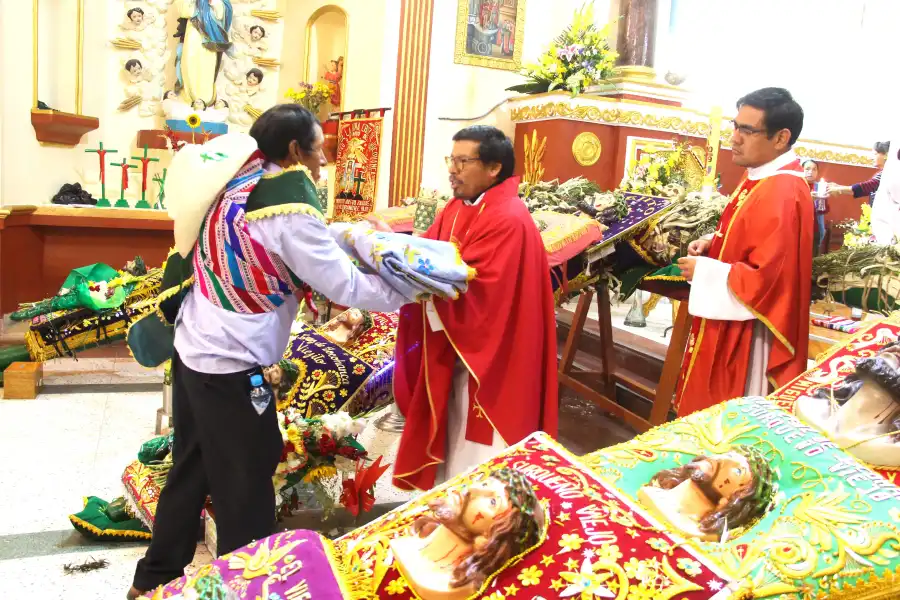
(767,236)
(503,328)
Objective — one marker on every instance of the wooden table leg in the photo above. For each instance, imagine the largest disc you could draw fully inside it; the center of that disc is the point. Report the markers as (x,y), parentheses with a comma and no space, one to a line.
(575,329)
(671,367)
(607,352)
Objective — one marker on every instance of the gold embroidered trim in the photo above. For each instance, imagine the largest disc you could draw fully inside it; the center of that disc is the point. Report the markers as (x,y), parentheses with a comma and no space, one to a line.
(642,253)
(285,209)
(138,535)
(678,278)
(557,245)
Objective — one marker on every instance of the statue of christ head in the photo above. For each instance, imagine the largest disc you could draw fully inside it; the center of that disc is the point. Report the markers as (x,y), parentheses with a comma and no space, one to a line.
(500,517)
(738,484)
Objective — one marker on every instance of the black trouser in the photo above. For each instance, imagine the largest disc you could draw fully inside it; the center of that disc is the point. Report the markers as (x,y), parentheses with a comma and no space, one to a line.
(223,448)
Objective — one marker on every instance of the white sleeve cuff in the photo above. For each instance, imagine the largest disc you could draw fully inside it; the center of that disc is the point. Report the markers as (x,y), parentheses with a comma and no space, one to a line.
(710,297)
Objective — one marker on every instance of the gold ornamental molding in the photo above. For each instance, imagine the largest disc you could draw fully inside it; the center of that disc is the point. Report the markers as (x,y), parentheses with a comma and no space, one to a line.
(411,95)
(687,122)
(610,116)
(586,149)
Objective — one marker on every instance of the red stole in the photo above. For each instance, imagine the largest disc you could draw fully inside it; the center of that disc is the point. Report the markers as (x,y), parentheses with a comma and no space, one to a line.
(766,233)
(503,329)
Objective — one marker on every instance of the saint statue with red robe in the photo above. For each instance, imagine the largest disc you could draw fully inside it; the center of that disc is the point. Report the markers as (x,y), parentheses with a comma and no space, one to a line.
(479,373)
(751,280)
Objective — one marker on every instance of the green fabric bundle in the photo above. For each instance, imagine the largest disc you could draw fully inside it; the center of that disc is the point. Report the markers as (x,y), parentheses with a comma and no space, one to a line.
(101,520)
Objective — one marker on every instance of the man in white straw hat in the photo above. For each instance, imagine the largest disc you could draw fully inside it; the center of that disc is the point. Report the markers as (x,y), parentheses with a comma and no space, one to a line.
(248,221)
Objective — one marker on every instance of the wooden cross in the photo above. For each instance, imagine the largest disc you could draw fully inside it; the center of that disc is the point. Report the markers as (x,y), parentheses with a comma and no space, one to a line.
(101,154)
(358,179)
(145,164)
(121,202)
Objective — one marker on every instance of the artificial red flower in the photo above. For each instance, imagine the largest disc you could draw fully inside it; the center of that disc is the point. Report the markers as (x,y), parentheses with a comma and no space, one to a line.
(327,445)
(357,495)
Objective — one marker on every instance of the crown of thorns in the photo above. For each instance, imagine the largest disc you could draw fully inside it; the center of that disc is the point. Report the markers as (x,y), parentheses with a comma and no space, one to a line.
(289,370)
(523,498)
(762,473)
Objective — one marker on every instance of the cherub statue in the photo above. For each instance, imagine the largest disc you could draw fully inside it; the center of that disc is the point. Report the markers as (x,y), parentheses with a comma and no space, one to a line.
(347,326)
(281,377)
(862,413)
(137,20)
(246,95)
(470,534)
(253,37)
(712,494)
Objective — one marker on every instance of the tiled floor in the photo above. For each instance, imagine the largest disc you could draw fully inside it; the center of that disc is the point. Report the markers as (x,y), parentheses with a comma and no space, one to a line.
(55,450)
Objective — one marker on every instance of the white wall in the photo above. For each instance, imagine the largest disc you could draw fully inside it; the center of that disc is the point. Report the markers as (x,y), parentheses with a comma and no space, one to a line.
(465,91)
(370,63)
(837,57)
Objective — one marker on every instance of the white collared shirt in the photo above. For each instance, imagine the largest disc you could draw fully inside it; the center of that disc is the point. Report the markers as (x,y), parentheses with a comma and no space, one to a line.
(774,167)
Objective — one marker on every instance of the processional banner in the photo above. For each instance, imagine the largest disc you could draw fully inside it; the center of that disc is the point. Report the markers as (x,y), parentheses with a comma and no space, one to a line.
(356,166)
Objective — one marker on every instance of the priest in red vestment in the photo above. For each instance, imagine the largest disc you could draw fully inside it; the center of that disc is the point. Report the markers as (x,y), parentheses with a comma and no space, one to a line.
(751,280)
(479,373)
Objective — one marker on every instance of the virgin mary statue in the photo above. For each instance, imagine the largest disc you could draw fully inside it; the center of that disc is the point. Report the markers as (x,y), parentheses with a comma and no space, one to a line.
(199,55)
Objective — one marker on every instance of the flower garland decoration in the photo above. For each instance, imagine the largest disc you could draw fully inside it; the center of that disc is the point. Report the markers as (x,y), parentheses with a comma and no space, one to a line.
(310,95)
(657,174)
(580,57)
(859,233)
(316,453)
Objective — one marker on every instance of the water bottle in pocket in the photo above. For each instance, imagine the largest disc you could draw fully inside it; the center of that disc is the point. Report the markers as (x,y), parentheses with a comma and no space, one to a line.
(260,393)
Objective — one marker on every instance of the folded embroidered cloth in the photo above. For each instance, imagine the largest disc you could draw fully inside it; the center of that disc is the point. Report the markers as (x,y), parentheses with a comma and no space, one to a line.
(417,268)
(842,324)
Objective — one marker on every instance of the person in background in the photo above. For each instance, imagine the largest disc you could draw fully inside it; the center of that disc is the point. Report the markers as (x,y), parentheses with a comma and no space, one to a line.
(811,172)
(869,187)
(750,280)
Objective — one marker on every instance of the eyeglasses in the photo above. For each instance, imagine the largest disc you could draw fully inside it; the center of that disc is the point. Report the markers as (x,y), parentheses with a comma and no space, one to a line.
(459,162)
(747,129)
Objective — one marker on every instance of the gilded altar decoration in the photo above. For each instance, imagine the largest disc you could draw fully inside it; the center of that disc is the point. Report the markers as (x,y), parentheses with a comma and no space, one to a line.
(534,158)
(578,58)
(489,33)
(828,531)
(611,116)
(586,149)
(356,166)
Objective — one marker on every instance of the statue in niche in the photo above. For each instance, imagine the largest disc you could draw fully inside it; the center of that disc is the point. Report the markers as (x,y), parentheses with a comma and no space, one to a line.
(203,31)
(469,536)
(712,494)
(862,413)
(334,73)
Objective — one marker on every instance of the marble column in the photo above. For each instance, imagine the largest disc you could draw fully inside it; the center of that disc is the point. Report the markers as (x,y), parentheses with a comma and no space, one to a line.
(636,37)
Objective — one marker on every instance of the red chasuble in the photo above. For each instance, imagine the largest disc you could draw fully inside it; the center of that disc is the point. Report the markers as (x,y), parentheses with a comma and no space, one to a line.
(766,233)
(503,329)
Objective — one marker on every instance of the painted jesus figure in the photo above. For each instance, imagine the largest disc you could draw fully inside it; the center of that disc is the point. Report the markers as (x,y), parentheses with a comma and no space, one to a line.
(750,280)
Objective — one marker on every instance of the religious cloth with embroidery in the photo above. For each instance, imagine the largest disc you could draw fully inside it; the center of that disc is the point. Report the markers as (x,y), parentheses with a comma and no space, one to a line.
(821,525)
(418,268)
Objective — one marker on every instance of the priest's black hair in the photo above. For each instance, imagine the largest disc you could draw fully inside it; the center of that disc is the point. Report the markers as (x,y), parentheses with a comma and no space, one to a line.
(493,147)
(882,147)
(276,128)
(780,108)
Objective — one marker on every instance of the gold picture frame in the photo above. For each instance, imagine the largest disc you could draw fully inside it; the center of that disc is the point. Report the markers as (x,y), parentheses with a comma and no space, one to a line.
(493,55)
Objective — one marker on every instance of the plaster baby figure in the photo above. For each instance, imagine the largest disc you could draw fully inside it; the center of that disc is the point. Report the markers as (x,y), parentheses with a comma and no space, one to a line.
(712,494)
(469,535)
(347,326)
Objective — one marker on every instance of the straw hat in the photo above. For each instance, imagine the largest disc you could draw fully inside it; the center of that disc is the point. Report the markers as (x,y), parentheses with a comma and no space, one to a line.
(196,176)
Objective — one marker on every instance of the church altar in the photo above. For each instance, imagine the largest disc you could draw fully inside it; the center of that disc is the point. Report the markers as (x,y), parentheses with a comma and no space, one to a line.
(599,138)
(39,245)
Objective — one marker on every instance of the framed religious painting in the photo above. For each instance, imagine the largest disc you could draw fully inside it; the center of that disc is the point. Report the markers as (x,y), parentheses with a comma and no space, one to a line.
(489,33)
